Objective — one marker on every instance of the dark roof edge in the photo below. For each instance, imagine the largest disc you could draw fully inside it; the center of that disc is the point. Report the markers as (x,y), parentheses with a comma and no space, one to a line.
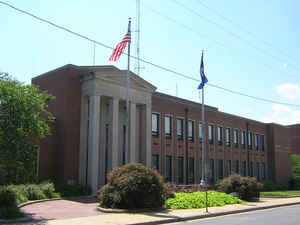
(182,100)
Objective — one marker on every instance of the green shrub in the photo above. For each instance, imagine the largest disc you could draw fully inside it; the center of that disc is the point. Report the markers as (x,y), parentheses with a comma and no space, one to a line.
(48,189)
(197,200)
(8,196)
(133,186)
(72,190)
(10,212)
(269,185)
(246,187)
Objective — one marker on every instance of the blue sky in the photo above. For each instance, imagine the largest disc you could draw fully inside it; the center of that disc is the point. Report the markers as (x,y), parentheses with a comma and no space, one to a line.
(250,46)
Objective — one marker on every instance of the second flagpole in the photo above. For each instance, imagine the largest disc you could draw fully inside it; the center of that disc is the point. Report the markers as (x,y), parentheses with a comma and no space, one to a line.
(127,99)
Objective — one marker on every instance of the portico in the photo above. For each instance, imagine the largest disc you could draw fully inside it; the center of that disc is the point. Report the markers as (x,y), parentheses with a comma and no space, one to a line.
(103,120)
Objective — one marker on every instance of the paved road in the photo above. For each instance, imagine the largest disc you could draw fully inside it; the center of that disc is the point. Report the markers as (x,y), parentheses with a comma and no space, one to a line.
(278,216)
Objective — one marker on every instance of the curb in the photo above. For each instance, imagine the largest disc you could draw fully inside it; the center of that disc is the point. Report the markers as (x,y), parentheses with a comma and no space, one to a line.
(181,219)
(109,210)
(38,201)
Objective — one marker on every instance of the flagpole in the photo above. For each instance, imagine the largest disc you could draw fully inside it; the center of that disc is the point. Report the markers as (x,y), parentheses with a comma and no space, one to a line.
(203,180)
(127,99)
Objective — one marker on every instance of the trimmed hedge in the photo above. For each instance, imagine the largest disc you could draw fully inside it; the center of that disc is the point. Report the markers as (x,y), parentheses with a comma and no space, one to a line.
(133,186)
(247,188)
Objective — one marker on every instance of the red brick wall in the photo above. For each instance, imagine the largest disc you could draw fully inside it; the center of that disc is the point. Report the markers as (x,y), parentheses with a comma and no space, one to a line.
(295,138)
(59,154)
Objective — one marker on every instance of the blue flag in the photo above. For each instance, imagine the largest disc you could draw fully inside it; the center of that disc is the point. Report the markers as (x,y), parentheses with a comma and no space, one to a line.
(203,77)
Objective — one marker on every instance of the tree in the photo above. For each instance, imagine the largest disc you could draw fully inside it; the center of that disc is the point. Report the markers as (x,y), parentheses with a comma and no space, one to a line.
(23,122)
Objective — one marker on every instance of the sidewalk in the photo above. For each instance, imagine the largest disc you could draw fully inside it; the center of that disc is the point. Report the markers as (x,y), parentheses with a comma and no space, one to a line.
(169,216)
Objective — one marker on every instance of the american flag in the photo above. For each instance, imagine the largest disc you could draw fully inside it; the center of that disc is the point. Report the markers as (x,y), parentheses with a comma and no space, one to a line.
(120,47)
(203,77)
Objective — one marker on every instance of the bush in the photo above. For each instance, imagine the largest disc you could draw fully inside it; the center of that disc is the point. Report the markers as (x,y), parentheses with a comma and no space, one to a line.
(72,190)
(269,185)
(10,212)
(247,187)
(133,186)
(8,196)
(197,200)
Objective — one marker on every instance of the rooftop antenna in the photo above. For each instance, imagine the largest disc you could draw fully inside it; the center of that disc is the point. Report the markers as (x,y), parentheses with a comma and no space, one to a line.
(137,29)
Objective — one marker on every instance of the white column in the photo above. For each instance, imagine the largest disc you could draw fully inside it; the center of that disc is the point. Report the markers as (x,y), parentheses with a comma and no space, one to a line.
(115,133)
(93,143)
(148,135)
(83,139)
(133,133)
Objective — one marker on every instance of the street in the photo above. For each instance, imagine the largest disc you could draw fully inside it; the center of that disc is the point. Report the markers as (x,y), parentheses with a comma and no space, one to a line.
(277,216)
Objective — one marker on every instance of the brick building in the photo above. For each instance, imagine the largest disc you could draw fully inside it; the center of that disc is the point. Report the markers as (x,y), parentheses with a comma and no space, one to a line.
(164,131)
(295,138)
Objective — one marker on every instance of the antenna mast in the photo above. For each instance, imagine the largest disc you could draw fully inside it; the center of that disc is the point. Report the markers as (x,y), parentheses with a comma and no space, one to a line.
(137,26)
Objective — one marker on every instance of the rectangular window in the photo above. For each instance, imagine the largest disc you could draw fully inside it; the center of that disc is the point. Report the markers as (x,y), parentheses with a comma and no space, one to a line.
(249,140)
(251,169)
(220,135)
(244,169)
(180,170)
(221,170)
(263,171)
(168,126)
(212,170)
(155,162)
(228,167)
(237,167)
(236,138)
(210,134)
(168,168)
(180,128)
(263,143)
(244,139)
(256,141)
(155,124)
(257,171)
(191,171)
(191,130)
(200,132)
(228,136)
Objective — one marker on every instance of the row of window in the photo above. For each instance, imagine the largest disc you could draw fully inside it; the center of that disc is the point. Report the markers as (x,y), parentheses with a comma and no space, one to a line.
(258,140)
(259,167)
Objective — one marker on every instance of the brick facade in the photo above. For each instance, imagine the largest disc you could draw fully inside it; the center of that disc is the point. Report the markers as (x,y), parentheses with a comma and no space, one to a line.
(59,153)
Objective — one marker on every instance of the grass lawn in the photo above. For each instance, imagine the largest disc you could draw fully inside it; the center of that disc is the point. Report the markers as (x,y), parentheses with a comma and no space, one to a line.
(292,193)
(196,200)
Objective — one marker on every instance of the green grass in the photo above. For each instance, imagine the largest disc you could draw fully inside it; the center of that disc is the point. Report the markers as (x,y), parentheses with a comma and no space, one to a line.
(282,194)
(196,200)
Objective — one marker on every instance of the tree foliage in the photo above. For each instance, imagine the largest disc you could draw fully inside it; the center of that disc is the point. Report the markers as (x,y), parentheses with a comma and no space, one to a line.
(23,122)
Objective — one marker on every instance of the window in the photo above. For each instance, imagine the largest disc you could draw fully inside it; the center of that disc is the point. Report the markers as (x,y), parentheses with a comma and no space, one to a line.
(210,134)
(168,126)
(212,170)
(220,167)
(263,171)
(263,143)
(200,132)
(236,138)
(191,130)
(155,161)
(256,141)
(244,139)
(237,166)
(249,140)
(228,167)
(168,168)
(257,171)
(244,169)
(155,124)
(220,135)
(180,170)
(251,169)
(191,171)
(179,128)
(228,136)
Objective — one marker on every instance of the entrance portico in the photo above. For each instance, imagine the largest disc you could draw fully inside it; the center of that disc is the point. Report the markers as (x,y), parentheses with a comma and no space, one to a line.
(103,119)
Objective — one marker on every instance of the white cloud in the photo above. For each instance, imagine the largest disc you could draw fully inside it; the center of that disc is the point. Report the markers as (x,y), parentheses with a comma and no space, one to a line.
(283,115)
(284,65)
(289,91)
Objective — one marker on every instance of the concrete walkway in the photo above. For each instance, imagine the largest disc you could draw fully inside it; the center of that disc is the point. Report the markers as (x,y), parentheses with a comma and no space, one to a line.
(166,216)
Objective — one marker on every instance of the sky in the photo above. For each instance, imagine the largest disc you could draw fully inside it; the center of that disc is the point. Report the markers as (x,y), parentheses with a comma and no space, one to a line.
(249,46)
